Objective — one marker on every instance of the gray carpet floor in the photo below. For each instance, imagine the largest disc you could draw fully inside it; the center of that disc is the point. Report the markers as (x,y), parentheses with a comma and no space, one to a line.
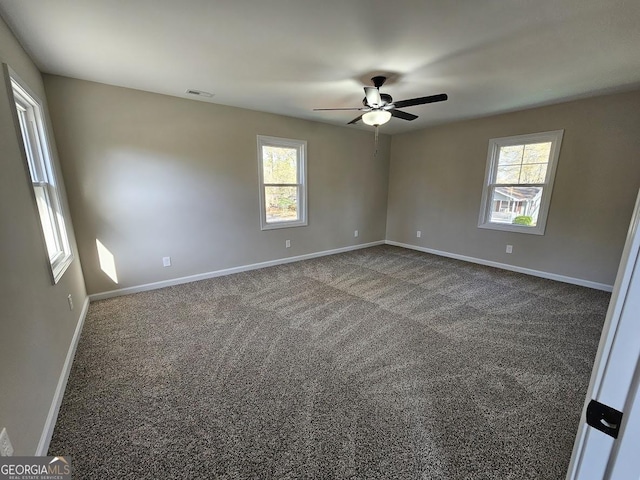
(382,363)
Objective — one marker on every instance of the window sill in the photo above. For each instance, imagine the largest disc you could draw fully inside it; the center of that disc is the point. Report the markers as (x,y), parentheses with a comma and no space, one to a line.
(506,227)
(57,270)
(277,225)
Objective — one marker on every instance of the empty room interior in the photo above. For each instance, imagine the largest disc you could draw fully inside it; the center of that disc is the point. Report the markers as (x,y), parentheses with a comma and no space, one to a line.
(339,239)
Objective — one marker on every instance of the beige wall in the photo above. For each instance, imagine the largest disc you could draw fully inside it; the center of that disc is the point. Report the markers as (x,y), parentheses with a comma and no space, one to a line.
(436,177)
(36,325)
(150,175)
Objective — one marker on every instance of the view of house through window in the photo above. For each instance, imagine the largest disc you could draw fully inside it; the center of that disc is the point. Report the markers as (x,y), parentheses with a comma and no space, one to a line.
(519,180)
(283,196)
(43,179)
(520,165)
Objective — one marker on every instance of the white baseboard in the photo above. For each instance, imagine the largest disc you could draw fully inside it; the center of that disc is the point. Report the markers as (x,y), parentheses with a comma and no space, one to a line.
(47,432)
(281,261)
(505,266)
(226,271)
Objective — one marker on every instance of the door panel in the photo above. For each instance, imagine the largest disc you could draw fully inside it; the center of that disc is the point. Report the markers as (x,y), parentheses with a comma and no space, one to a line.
(614,372)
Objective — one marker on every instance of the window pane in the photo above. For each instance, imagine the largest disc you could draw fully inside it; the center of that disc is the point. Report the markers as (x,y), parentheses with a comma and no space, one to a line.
(511,155)
(516,205)
(533,173)
(28,142)
(537,153)
(48,222)
(281,204)
(279,164)
(523,163)
(509,174)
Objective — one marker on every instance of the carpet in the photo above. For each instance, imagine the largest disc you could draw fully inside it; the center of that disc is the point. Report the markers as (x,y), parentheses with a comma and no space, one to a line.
(381,363)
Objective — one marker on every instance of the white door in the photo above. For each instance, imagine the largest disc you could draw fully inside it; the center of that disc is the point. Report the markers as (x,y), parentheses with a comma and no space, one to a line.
(615,378)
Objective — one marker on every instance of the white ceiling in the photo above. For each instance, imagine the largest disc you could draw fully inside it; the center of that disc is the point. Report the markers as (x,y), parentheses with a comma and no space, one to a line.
(290,56)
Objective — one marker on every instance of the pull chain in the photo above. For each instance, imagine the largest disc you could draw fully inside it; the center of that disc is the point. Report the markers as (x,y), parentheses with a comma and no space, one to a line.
(375,154)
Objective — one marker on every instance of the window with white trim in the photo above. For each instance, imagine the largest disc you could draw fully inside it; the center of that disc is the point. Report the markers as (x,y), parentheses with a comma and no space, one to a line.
(282,173)
(43,177)
(518,182)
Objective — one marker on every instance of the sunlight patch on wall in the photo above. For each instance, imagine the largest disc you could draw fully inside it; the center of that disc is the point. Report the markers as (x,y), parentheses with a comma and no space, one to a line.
(107,261)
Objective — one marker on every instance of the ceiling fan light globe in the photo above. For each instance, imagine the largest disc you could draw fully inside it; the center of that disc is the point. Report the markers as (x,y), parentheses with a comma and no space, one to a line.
(376,117)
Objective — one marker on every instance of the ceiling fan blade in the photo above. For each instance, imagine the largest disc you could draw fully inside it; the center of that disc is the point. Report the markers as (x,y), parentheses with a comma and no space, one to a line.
(373,96)
(403,115)
(355,120)
(421,100)
(351,108)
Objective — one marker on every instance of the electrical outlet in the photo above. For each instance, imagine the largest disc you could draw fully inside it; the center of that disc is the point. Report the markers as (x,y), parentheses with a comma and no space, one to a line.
(287,243)
(70,300)
(355,233)
(6,449)
(166,261)
(509,248)
(418,234)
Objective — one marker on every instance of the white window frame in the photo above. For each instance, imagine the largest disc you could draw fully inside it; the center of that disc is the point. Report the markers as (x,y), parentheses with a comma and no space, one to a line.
(36,151)
(301,181)
(484,221)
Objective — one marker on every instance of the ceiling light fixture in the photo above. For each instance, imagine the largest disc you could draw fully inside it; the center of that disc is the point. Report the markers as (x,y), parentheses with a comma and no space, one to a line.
(376,117)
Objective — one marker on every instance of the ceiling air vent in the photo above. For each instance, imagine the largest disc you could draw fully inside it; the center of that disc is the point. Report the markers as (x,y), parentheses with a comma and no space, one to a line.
(198,93)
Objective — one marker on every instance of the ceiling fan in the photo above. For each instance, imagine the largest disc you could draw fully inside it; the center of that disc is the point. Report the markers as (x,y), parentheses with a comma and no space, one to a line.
(380,107)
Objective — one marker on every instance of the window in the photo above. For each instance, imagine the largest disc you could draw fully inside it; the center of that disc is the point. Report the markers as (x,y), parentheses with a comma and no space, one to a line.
(43,178)
(283,194)
(519,181)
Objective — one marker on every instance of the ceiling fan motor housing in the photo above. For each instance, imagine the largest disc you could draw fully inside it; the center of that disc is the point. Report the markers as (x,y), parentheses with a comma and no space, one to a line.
(378,81)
